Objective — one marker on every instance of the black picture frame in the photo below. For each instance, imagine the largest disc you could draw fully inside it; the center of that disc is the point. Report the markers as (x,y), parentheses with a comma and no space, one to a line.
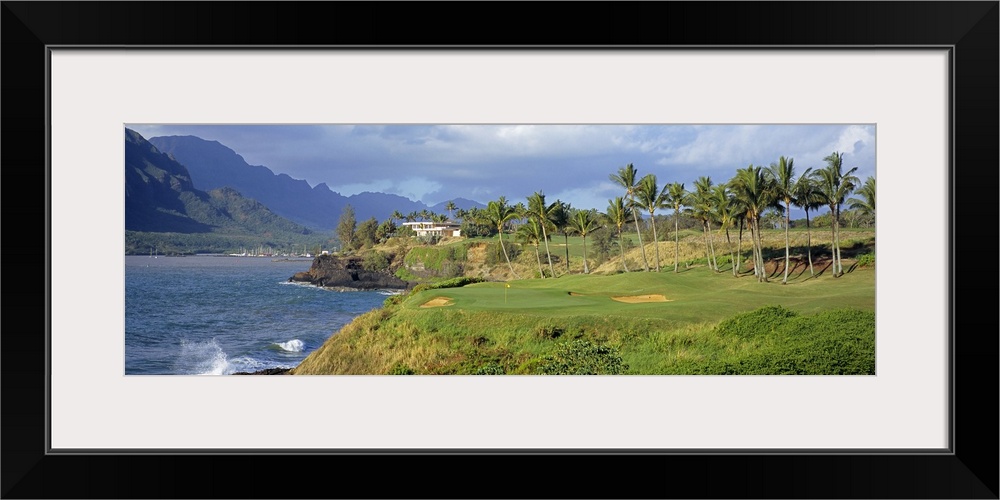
(969,28)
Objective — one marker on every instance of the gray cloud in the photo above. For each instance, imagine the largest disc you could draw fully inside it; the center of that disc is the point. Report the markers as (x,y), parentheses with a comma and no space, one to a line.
(435,163)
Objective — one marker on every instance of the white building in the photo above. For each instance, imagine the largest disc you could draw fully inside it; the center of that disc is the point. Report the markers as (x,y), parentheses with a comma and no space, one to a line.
(435,228)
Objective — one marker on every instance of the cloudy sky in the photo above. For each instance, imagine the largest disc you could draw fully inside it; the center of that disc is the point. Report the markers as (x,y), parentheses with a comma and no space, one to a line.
(435,163)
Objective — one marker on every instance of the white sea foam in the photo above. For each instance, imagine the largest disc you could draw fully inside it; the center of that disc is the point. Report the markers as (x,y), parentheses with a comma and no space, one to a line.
(390,292)
(244,364)
(205,358)
(208,358)
(294,345)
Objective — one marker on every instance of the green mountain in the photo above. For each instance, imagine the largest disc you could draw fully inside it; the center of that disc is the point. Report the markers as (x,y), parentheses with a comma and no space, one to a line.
(163,210)
(213,165)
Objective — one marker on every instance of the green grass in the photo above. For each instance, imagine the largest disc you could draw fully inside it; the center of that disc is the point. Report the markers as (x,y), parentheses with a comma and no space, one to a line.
(826,326)
(695,295)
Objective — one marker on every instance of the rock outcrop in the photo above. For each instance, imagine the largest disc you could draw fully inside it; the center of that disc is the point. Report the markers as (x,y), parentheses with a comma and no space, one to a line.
(347,273)
(268,371)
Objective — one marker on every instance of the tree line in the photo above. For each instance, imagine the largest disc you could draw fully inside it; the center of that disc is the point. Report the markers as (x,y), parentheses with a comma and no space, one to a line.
(754,198)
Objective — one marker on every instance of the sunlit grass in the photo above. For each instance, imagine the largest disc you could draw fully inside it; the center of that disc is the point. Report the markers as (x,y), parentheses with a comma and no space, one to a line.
(490,327)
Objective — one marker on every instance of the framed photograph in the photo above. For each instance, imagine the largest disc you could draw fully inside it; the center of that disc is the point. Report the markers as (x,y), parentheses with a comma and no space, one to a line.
(914,82)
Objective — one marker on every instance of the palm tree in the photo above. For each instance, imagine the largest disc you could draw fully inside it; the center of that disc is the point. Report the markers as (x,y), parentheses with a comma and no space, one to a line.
(834,186)
(543,213)
(676,198)
(739,211)
(560,218)
(726,209)
(531,233)
(701,205)
(783,176)
(583,222)
(626,178)
(522,213)
(498,214)
(806,197)
(450,207)
(396,215)
(620,214)
(650,198)
(754,192)
(866,204)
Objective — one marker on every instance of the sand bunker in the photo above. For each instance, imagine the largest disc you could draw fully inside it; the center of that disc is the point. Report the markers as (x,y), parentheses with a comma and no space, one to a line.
(438,302)
(637,299)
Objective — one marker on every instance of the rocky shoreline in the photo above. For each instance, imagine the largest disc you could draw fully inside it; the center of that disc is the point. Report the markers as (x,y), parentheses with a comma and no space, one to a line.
(269,371)
(347,274)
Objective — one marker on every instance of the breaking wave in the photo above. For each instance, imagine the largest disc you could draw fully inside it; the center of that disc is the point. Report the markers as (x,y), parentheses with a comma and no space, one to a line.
(294,345)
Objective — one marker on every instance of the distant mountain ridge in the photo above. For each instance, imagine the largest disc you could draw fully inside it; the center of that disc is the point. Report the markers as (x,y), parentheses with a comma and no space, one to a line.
(213,165)
(160,197)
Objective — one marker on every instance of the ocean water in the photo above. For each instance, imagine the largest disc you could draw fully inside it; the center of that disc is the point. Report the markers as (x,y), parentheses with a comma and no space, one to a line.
(216,315)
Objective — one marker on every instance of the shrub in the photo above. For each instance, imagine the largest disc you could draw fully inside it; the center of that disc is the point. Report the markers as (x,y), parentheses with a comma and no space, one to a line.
(455,282)
(405,274)
(829,343)
(400,369)
(866,259)
(491,368)
(392,300)
(494,253)
(763,321)
(581,357)
(375,261)
(446,261)
(546,332)
(431,239)
(450,269)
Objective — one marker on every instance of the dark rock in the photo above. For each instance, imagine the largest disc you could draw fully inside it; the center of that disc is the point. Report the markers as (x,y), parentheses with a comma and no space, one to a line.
(269,371)
(347,273)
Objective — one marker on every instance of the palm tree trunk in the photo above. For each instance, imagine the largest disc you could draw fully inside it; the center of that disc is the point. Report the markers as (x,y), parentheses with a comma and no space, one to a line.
(840,262)
(834,253)
(708,255)
(760,252)
(762,277)
(739,249)
(566,239)
(539,259)
(586,270)
(502,247)
(622,249)
(711,244)
(547,254)
(656,244)
(732,255)
(677,243)
(787,209)
(753,245)
(809,249)
(638,234)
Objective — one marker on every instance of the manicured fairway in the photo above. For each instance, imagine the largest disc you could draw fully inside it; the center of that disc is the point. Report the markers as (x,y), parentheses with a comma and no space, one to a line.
(694,295)
(693,322)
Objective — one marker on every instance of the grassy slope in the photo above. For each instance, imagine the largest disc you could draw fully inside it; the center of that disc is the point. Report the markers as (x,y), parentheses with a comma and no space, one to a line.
(482,328)
(691,254)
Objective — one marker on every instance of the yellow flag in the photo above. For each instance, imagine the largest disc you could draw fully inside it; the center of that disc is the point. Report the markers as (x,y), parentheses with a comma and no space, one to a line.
(508,285)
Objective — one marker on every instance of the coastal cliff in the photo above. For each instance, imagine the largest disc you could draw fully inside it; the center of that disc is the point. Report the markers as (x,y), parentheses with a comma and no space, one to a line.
(347,273)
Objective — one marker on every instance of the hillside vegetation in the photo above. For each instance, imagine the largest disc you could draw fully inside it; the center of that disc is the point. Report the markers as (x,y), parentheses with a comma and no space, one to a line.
(696,321)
